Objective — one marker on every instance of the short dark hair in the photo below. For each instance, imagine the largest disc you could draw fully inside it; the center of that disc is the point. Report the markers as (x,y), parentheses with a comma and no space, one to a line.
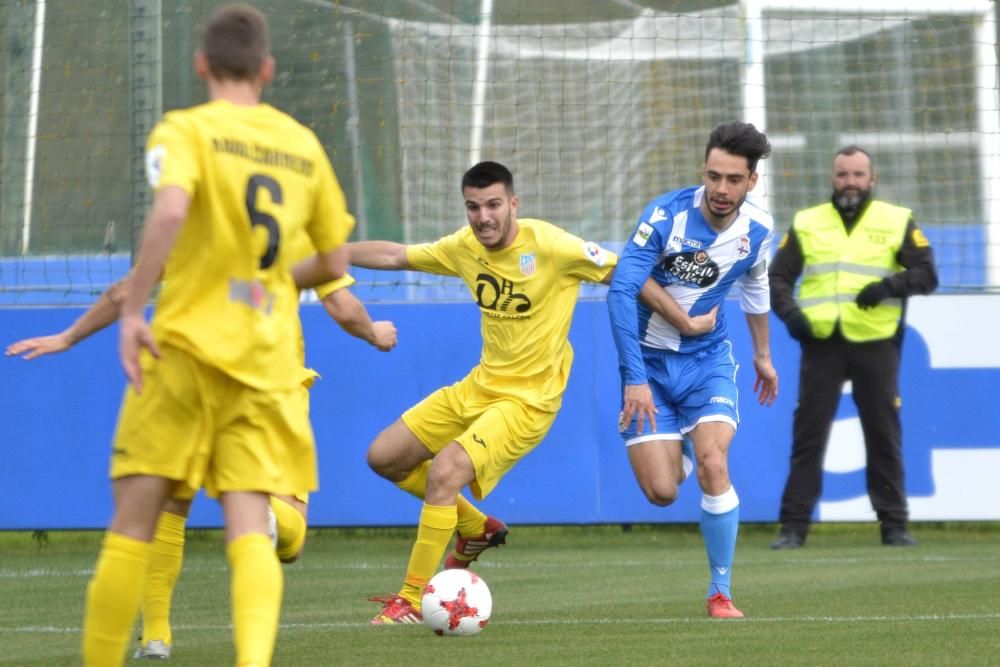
(740,139)
(235,42)
(854,149)
(485,174)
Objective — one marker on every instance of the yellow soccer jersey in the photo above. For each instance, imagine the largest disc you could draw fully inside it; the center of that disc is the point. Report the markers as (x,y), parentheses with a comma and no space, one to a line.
(526,294)
(256,178)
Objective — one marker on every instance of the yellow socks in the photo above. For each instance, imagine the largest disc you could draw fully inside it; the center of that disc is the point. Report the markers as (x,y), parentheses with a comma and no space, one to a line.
(416,482)
(165,558)
(471,521)
(113,598)
(437,525)
(291,529)
(256,587)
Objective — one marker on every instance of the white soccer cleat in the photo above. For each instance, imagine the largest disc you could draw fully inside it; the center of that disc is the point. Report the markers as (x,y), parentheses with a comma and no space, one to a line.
(154,649)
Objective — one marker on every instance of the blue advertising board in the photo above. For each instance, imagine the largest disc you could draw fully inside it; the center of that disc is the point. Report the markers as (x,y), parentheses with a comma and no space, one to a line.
(58,415)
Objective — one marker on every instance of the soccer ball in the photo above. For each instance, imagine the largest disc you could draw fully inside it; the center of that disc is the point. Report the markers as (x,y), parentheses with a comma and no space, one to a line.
(456,602)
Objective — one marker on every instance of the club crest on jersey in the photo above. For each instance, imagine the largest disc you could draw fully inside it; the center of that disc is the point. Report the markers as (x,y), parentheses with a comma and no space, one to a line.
(528,265)
(743,246)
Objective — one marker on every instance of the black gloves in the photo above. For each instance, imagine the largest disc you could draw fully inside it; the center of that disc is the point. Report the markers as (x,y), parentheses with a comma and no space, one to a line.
(873,294)
(798,326)
(870,296)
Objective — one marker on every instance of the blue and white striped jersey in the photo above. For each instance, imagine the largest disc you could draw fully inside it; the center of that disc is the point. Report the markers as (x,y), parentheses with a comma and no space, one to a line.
(697,266)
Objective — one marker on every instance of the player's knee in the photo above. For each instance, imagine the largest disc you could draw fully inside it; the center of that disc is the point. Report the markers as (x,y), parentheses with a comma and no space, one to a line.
(713,468)
(390,458)
(660,494)
(446,475)
(375,462)
(440,474)
(381,463)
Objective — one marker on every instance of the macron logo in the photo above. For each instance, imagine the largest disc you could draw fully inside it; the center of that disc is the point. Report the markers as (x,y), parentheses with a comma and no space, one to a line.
(658,214)
(722,570)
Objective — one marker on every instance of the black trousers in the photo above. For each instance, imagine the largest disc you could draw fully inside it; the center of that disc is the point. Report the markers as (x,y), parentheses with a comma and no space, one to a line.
(873,369)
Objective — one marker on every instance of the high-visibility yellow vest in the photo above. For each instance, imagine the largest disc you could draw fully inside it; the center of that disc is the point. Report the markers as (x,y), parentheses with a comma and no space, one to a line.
(837,265)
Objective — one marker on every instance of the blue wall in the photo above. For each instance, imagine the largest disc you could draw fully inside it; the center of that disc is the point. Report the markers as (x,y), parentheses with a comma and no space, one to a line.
(58,416)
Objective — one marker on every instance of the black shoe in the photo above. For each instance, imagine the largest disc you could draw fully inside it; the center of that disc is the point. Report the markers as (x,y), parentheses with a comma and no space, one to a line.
(898,537)
(788,540)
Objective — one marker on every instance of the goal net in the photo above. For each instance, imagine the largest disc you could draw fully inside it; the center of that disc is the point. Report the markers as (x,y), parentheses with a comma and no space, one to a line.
(595,106)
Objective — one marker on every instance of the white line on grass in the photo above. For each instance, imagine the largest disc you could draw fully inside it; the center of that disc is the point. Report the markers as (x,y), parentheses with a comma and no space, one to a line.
(933,618)
(319,566)
(8,573)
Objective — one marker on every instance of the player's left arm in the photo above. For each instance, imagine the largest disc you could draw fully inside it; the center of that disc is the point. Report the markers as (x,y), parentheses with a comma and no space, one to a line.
(765,385)
(102,314)
(658,299)
(755,301)
(163,223)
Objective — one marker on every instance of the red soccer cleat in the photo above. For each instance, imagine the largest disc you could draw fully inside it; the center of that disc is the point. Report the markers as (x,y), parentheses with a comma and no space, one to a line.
(719,606)
(467,549)
(396,611)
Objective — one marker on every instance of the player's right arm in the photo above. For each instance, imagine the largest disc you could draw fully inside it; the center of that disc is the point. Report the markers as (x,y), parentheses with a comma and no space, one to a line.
(100,315)
(634,268)
(320,268)
(328,227)
(163,224)
(384,255)
(352,316)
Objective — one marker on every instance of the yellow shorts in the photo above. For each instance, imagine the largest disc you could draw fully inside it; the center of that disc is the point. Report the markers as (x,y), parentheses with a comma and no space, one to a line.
(195,424)
(495,431)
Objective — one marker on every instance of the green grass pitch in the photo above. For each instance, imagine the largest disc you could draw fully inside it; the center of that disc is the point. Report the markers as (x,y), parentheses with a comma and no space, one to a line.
(589,595)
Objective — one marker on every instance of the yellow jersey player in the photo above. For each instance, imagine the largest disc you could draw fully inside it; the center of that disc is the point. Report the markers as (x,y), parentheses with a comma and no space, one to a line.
(167,549)
(524,275)
(216,396)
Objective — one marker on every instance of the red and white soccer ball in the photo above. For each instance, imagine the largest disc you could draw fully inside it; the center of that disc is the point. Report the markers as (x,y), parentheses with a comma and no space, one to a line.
(456,602)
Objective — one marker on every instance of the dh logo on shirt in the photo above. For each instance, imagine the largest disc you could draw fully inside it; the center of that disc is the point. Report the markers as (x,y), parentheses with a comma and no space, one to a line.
(498,295)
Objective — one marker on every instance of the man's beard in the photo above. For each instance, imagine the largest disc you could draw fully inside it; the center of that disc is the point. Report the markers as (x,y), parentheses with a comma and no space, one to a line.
(503,227)
(850,201)
(736,207)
